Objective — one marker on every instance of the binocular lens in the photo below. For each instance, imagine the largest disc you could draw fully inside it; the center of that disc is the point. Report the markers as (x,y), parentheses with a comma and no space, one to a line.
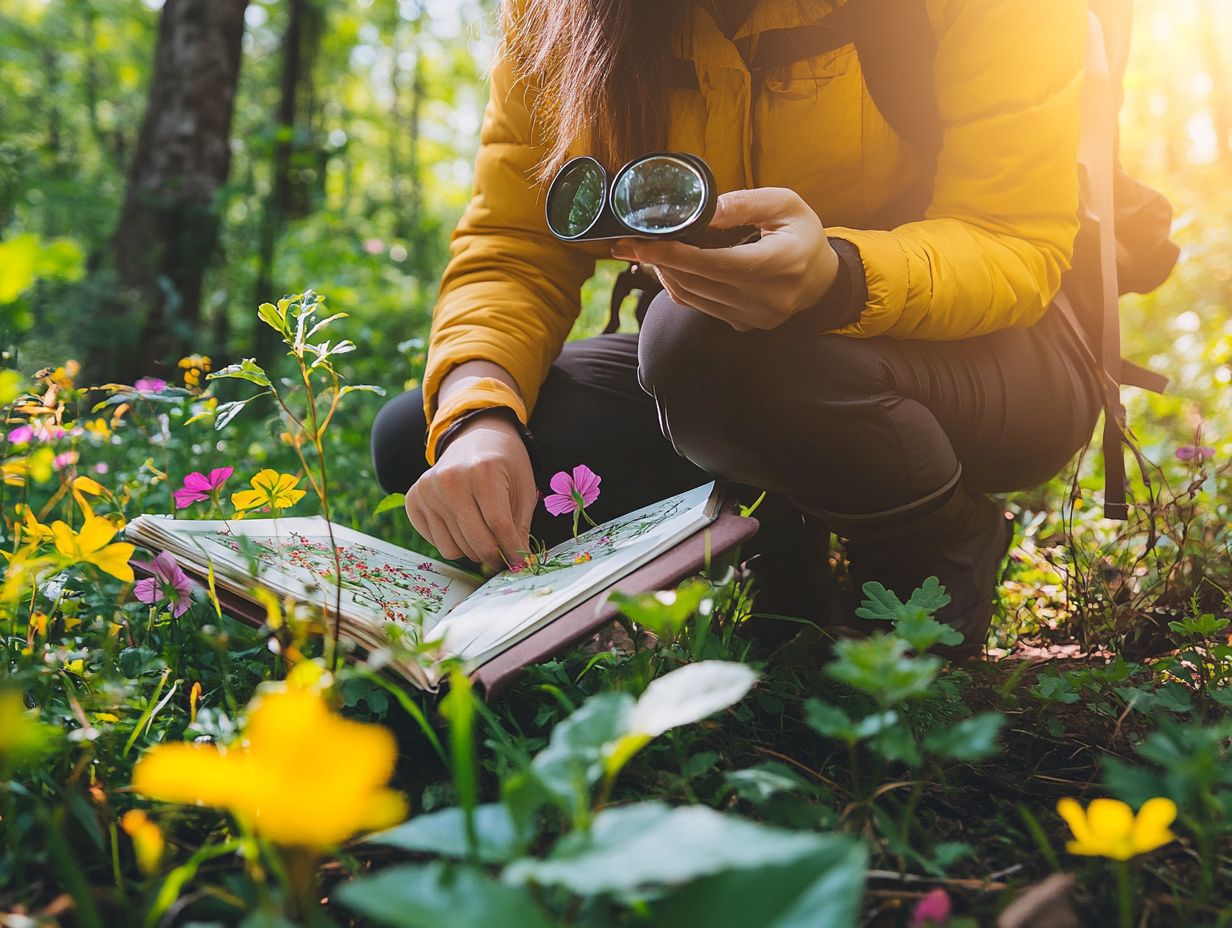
(659,194)
(577,199)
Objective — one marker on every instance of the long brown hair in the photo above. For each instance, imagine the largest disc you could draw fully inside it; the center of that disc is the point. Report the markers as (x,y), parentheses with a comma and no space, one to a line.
(600,70)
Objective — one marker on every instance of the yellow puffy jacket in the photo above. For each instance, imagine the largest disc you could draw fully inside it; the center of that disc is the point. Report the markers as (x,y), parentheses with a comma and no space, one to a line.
(989,253)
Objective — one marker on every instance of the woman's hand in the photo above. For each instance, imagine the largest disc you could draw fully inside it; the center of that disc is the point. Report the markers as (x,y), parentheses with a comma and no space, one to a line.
(755,286)
(478,499)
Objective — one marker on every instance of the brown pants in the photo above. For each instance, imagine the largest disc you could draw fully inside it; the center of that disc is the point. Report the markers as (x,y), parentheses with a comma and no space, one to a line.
(851,430)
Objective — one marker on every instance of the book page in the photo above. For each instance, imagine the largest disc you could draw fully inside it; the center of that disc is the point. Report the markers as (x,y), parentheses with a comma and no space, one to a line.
(513,604)
(381,583)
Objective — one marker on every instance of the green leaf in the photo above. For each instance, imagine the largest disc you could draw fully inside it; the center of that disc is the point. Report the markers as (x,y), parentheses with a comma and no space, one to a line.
(228,411)
(437,894)
(1203,626)
(883,604)
(248,369)
(922,631)
(897,744)
(832,722)
(275,317)
(763,781)
(666,612)
(822,888)
(689,695)
(970,740)
(444,834)
(573,761)
(361,388)
(651,844)
(880,667)
(392,501)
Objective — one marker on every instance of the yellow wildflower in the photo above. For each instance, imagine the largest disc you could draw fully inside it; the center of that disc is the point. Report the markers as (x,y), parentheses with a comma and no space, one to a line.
(269,488)
(194,697)
(86,486)
(301,776)
(194,367)
(92,545)
(1109,828)
(38,623)
(147,840)
(30,526)
(98,427)
(77,667)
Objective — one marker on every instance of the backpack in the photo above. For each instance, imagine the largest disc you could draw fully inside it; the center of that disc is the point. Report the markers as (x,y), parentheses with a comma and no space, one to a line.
(1123,243)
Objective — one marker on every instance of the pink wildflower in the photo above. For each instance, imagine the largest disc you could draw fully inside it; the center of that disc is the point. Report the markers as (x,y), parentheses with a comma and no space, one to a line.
(150,385)
(197,486)
(101,467)
(169,582)
(1197,453)
(374,246)
(572,494)
(21,435)
(933,911)
(64,459)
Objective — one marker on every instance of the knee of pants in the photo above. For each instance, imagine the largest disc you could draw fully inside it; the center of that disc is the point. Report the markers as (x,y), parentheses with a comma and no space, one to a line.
(725,396)
(398,434)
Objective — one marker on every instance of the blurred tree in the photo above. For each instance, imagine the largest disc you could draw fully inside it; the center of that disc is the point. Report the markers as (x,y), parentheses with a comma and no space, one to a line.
(290,193)
(168,228)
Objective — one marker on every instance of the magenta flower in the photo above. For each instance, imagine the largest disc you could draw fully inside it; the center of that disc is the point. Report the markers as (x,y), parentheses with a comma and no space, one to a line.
(150,385)
(21,435)
(572,494)
(64,459)
(169,582)
(197,486)
(1197,453)
(933,911)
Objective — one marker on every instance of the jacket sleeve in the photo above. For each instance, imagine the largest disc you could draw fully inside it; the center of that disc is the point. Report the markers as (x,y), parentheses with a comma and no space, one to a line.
(1000,229)
(511,291)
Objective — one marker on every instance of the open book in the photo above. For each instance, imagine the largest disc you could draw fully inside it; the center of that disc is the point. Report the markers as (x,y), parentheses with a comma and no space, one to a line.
(429,601)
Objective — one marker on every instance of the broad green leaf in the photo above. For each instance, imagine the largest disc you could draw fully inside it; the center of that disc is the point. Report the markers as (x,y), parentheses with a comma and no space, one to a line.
(822,889)
(761,782)
(970,740)
(666,612)
(274,316)
(883,604)
(573,761)
(248,369)
(651,844)
(689,695)
(392,501)
(438,894)
(444,834)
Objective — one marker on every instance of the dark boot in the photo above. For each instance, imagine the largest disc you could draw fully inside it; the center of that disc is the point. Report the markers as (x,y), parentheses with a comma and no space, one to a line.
(962,541)
(788,561)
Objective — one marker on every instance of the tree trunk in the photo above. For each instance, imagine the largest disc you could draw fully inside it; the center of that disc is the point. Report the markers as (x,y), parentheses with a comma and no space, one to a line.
(168,229)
